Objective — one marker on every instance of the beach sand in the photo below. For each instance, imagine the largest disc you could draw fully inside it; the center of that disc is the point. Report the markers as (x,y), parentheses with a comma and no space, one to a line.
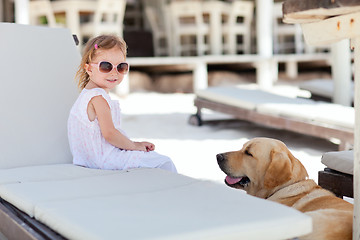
(163,120)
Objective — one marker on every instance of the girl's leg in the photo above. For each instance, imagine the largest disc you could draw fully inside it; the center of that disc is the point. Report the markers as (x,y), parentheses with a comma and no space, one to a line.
(123,159)
(169,165)
(163,162)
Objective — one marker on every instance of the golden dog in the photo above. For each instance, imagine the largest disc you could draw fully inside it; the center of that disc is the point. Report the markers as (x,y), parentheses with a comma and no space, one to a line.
(266,168)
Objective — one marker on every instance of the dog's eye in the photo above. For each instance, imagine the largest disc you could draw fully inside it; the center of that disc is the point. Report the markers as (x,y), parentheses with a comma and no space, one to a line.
(248,153)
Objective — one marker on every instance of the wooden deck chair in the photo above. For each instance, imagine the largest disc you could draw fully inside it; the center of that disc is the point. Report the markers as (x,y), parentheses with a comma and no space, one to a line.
(189,32)
(133,18)
(287,38)
(237,26)
(108,19)
(158,30)
(41,13)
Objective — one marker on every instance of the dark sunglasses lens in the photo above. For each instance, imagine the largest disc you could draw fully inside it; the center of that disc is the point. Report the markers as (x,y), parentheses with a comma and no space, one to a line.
(105,67)
(123,68)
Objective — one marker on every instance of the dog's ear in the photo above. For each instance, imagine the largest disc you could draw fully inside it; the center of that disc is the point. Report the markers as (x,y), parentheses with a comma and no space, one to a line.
(298,170)
(279,170)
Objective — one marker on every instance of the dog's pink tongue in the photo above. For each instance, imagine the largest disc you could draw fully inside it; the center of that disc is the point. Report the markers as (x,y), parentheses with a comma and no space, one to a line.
(231,180)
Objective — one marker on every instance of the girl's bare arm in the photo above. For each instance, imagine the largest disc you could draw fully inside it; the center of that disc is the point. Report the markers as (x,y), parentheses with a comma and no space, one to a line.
(108,130)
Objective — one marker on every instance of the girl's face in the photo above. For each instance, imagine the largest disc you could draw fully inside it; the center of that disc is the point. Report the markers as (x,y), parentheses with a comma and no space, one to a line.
(106,81)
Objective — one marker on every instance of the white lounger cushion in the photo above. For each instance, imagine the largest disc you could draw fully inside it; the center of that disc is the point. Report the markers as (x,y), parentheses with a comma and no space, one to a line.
(243,97)
(322,113)
(342,161)
(25,195)
(149,204)
(189,212)
(38,67)
(335,114)
(52,172)
(302,109)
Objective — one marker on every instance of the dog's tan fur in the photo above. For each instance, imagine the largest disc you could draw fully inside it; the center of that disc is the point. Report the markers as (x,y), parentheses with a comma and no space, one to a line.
(275,174)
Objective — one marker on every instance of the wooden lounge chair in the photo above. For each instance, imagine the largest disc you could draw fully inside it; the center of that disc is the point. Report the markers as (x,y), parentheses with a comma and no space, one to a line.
(44,196)
(305,116)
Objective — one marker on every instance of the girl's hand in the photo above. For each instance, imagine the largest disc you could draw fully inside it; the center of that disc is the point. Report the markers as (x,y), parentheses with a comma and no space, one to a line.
(145,146)
(149,146)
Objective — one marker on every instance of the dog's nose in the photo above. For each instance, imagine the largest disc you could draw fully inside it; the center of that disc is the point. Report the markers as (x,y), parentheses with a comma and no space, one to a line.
(220,157)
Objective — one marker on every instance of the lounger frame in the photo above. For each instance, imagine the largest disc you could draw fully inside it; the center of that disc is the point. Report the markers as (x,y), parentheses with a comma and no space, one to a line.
(341,184)
(311,128)
(19,225)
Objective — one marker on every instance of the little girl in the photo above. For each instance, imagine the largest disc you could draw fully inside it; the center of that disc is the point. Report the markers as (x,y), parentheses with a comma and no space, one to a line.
(95,137)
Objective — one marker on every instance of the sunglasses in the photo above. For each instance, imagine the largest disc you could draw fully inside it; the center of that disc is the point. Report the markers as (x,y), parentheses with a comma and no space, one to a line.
(106,67)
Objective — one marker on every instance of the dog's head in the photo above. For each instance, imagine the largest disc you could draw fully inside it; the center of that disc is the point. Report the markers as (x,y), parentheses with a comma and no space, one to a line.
(261,167)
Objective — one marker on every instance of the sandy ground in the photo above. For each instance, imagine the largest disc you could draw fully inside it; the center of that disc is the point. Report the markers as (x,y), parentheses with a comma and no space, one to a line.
(163,120)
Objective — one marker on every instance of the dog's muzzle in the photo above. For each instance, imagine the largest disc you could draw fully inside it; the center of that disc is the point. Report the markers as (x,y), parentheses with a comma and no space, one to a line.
(235,182)
(220,158)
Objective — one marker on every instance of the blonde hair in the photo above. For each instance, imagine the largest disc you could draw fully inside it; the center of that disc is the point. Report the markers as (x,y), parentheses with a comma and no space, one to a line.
(89,52)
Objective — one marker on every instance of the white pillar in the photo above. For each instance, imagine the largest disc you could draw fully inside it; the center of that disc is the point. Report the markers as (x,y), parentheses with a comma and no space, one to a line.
(356,177)
(341,72)
(200,76)
(265,71)
(291,68)
(22,11)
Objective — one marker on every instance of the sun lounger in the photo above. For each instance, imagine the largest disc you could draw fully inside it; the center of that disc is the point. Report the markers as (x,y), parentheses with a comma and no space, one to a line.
(299,115)
(44,196)
(338,174)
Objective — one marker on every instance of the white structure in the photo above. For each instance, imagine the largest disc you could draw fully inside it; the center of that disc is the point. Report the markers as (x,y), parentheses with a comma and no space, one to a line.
(22,11)
(264,75)
(341,72)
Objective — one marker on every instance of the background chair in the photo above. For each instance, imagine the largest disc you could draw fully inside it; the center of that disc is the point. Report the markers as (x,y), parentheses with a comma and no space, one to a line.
(133,18)
(287,38)
(238,25)
(189,32)
(41,13)
(108,19)
(158,29)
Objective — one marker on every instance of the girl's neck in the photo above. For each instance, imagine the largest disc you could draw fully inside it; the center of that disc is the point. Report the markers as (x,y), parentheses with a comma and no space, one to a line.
(91,85)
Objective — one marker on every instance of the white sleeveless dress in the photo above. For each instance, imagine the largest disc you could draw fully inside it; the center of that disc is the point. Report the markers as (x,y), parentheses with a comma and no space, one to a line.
(90,149)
